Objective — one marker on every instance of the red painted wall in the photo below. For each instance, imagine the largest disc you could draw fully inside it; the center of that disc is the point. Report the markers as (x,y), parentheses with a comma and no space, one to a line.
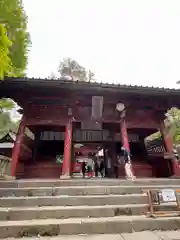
(42,170)
(58,115)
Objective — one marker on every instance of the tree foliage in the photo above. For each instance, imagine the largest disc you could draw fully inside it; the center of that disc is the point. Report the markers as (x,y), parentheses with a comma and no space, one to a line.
(6,104)
(6,125)
(14,45)
(5,122)
(172,123)
(5,61)
(52,76)
(70,68)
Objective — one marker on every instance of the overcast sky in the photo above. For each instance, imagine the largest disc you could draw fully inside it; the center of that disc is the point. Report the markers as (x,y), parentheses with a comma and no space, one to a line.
(124,41)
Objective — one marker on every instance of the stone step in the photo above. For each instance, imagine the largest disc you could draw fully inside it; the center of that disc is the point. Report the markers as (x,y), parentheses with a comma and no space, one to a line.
(111,225)
(74,190)
(148,235)
(87,182)
(79,190)
(61,212)
(89,200)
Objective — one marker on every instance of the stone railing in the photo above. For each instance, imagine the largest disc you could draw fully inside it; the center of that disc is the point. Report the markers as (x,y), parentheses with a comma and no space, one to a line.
(5,164)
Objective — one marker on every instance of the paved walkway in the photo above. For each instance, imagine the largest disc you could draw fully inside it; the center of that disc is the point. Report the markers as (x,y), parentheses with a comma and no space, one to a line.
(146,235)
(170,235)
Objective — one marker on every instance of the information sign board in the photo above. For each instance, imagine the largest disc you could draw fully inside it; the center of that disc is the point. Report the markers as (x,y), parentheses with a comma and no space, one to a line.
(161,198)
(168,195)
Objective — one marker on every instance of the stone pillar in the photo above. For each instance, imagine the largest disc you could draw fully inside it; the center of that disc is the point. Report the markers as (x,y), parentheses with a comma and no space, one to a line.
(66,165)
(17,146)
(168,144)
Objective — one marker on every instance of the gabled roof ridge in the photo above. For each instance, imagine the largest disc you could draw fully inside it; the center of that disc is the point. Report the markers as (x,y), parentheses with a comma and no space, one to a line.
(103,84)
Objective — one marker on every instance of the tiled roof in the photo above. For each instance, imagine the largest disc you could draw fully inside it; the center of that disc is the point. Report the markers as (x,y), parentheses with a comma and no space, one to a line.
(63,81)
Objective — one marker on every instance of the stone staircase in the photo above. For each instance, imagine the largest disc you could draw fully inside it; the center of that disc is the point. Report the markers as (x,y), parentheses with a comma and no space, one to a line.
(71,207)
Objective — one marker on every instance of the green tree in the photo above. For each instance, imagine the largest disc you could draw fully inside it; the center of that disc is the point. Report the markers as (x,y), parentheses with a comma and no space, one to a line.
(5,61)
(14,46)
(6,104)
(14,20)
(172,123)
(5,122)
(71,68)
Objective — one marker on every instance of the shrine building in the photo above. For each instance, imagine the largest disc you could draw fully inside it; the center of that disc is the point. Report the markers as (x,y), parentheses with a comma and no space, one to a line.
(68,119)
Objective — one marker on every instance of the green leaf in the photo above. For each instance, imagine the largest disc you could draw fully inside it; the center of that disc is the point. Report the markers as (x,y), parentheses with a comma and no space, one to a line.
(14,38)
(6,104)
(5,61)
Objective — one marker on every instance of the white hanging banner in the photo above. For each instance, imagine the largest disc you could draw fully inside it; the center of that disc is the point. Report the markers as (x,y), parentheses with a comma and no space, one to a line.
(97,107)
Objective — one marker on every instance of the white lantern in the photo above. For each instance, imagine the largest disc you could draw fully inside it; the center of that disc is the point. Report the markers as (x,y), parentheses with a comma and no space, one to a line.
(120,107)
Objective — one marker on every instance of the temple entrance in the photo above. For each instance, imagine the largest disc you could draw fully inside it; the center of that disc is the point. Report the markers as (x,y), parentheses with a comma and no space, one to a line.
(109,143)
(91,146)
(92,154)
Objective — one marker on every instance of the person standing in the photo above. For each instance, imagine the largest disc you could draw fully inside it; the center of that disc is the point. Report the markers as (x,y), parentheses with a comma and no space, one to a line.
(83,168)
(128,167)
(128,170)
(108,166)
(89,170)
(96,168)
(116,169)
(101,168)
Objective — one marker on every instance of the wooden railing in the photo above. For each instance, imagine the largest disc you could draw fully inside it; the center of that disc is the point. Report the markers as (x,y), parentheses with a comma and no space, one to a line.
(5,164)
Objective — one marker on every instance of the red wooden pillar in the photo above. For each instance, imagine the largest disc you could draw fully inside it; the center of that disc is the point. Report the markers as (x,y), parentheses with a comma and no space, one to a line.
(66,165)
(168,144)
(124,138)
(124,135)
(17,146)
(72,160)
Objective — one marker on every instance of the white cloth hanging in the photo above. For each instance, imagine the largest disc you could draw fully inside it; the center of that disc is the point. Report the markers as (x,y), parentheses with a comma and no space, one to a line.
(128,171)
